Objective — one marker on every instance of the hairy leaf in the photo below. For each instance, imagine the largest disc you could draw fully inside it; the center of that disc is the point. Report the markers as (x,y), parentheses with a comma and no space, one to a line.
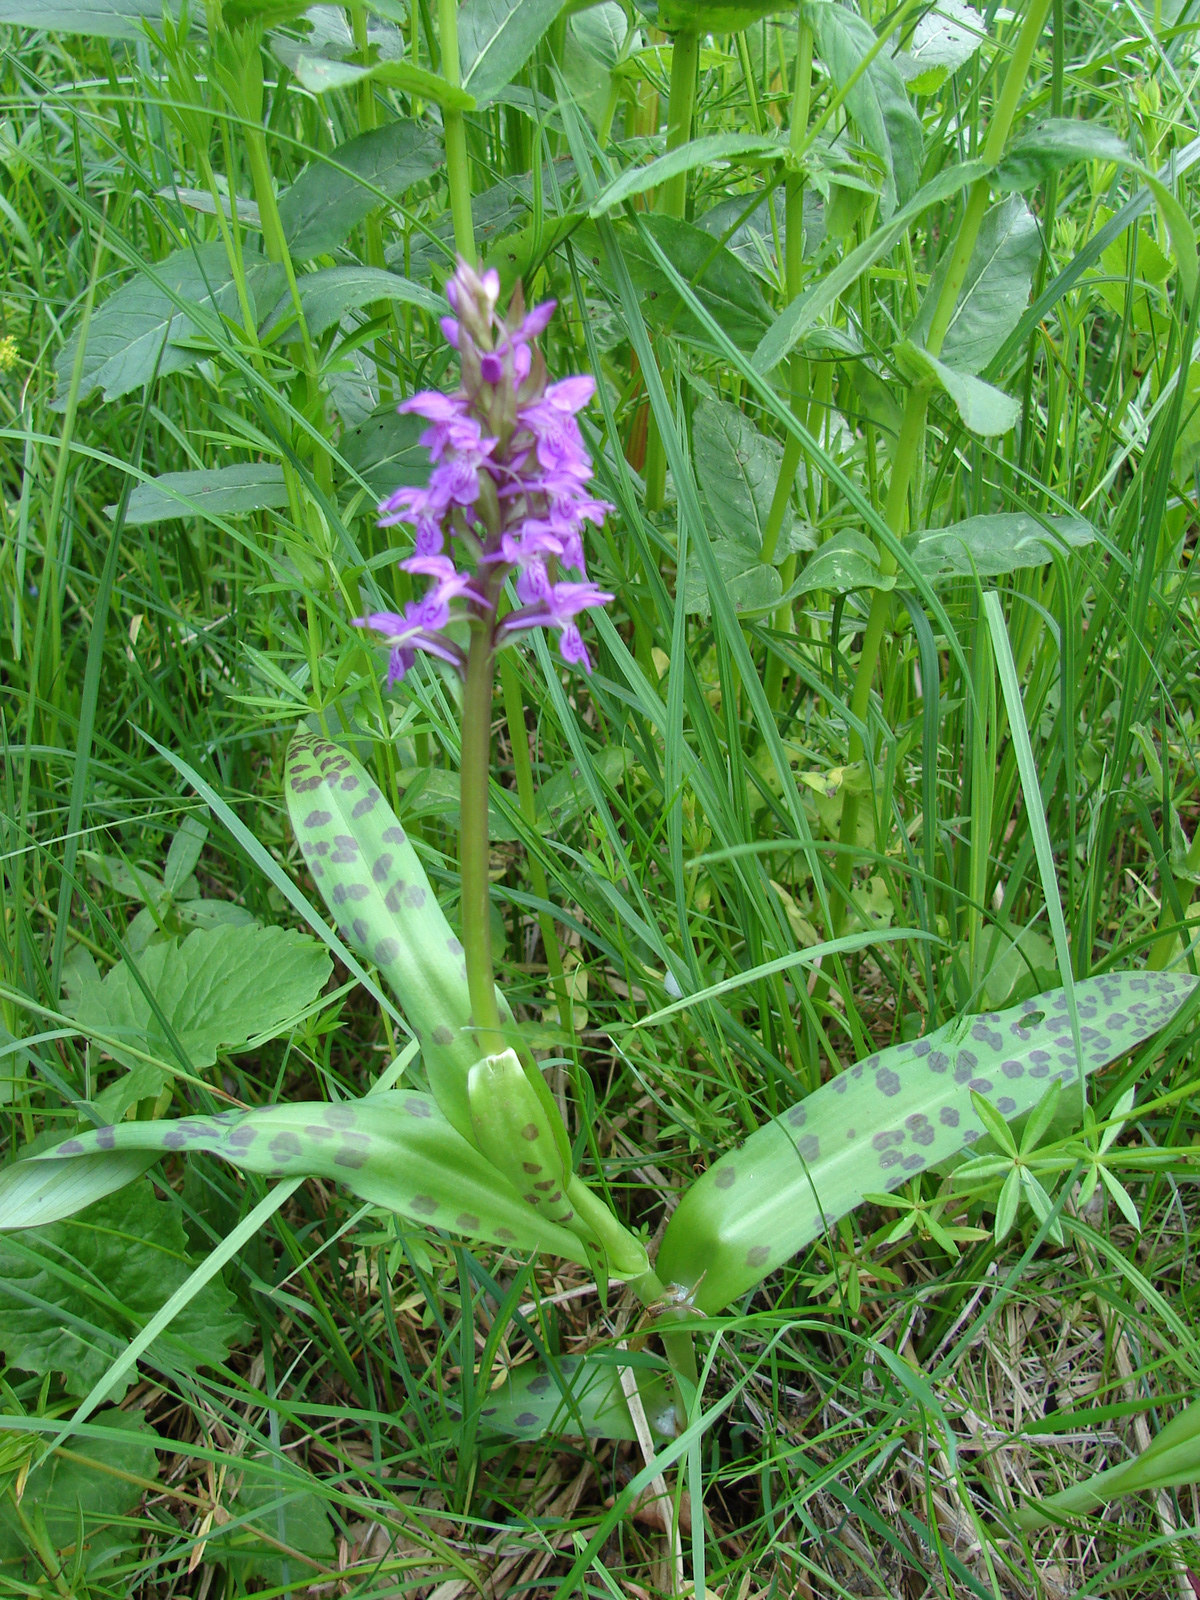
(96,1482)
(983,409)
(394,1150)
(334,194)
(738,469)
(385,451)
(847,561)
(71,1294)
(1057,142)
(894,1114)
(752,586)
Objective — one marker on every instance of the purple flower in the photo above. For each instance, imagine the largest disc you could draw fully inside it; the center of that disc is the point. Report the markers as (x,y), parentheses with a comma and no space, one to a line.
(508,496)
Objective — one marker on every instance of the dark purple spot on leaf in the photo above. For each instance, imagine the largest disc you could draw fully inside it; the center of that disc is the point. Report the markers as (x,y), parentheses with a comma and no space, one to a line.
(386,952)
(981,1085)
(443,1035)
(318,819)
(887,1082)
(531,1167)
(797,1117)
(339,1116)
(241,1138)
(106,1138)
(418,1108)
(285,1147)
(808,1148)
(393,835)
(1006,1105)
(885,1139)
(758,1256)
(393,899)
(350,1155)
(415,896)
(948,1117)
(922,1047)
(367,803)
(71,1147)
(922,1130)
(1012,1069)
(540,1384)
(726,1178)
(425,1204)
(525,1419)
(382,867)
(504,1233)
(467,1221)
(939,1061)
(360,930)
(529,1131)
(889,1158)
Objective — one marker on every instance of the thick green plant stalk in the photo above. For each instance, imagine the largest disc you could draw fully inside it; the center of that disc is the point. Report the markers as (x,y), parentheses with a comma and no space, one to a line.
(458,165)
(910,442)
(473,845)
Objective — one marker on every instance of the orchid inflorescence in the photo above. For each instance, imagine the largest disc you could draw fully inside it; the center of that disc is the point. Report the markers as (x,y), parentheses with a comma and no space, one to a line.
(508,492)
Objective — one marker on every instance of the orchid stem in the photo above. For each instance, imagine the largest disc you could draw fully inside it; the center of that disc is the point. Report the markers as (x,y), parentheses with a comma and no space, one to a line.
(473,852)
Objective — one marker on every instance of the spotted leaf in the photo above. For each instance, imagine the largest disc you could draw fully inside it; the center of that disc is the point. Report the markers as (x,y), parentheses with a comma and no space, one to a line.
(394,1150)
(517,1134)
(889,1117)
(531,1402)
(373,882)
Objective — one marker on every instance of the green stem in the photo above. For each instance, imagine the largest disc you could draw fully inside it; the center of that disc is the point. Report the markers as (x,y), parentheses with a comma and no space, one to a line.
(912,428)
(474,770)
(672,202)
(458,167)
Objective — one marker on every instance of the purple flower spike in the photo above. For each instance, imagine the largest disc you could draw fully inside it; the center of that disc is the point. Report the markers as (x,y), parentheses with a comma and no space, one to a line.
(508,493)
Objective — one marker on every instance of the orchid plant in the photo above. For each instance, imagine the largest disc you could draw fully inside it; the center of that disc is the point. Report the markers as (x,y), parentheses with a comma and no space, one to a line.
(483,1152)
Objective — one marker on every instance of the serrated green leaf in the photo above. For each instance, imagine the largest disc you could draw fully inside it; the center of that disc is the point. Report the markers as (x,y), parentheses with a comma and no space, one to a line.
(218,989)
(983,409)
(133,333)
(332,195)
(1051,145)
(208,493)
(93,1484)
(395,1150)
(895,1114)
(753,588)
(995,291)
(71,1294)
(495,40)
(876,100)
(1000,542)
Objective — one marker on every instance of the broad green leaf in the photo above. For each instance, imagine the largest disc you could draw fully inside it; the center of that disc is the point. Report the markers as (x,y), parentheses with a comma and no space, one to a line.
(1181,234)
(333,194)
(564,797)
(386,452)
(211,492)
(807,309)
(433,792)
(394,1150)
(995,291)
(999,542)
(95,19)
(183,853)
(98,1481)
(531,1404)
(321,75)
(753,242)
(738,469)
(895,1114)
(517,256)
(591,50)
(328,294)
(495,40)
(752,586)
(847,561)
(272,1499)
(725,288)
(134,332)
(71,1294)
(983,409)
(945,38)
(219,989)
(877,103)
(1055,143)
(705,152)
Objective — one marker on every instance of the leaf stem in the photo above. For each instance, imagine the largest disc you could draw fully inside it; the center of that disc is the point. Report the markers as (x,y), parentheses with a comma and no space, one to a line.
(474,770)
